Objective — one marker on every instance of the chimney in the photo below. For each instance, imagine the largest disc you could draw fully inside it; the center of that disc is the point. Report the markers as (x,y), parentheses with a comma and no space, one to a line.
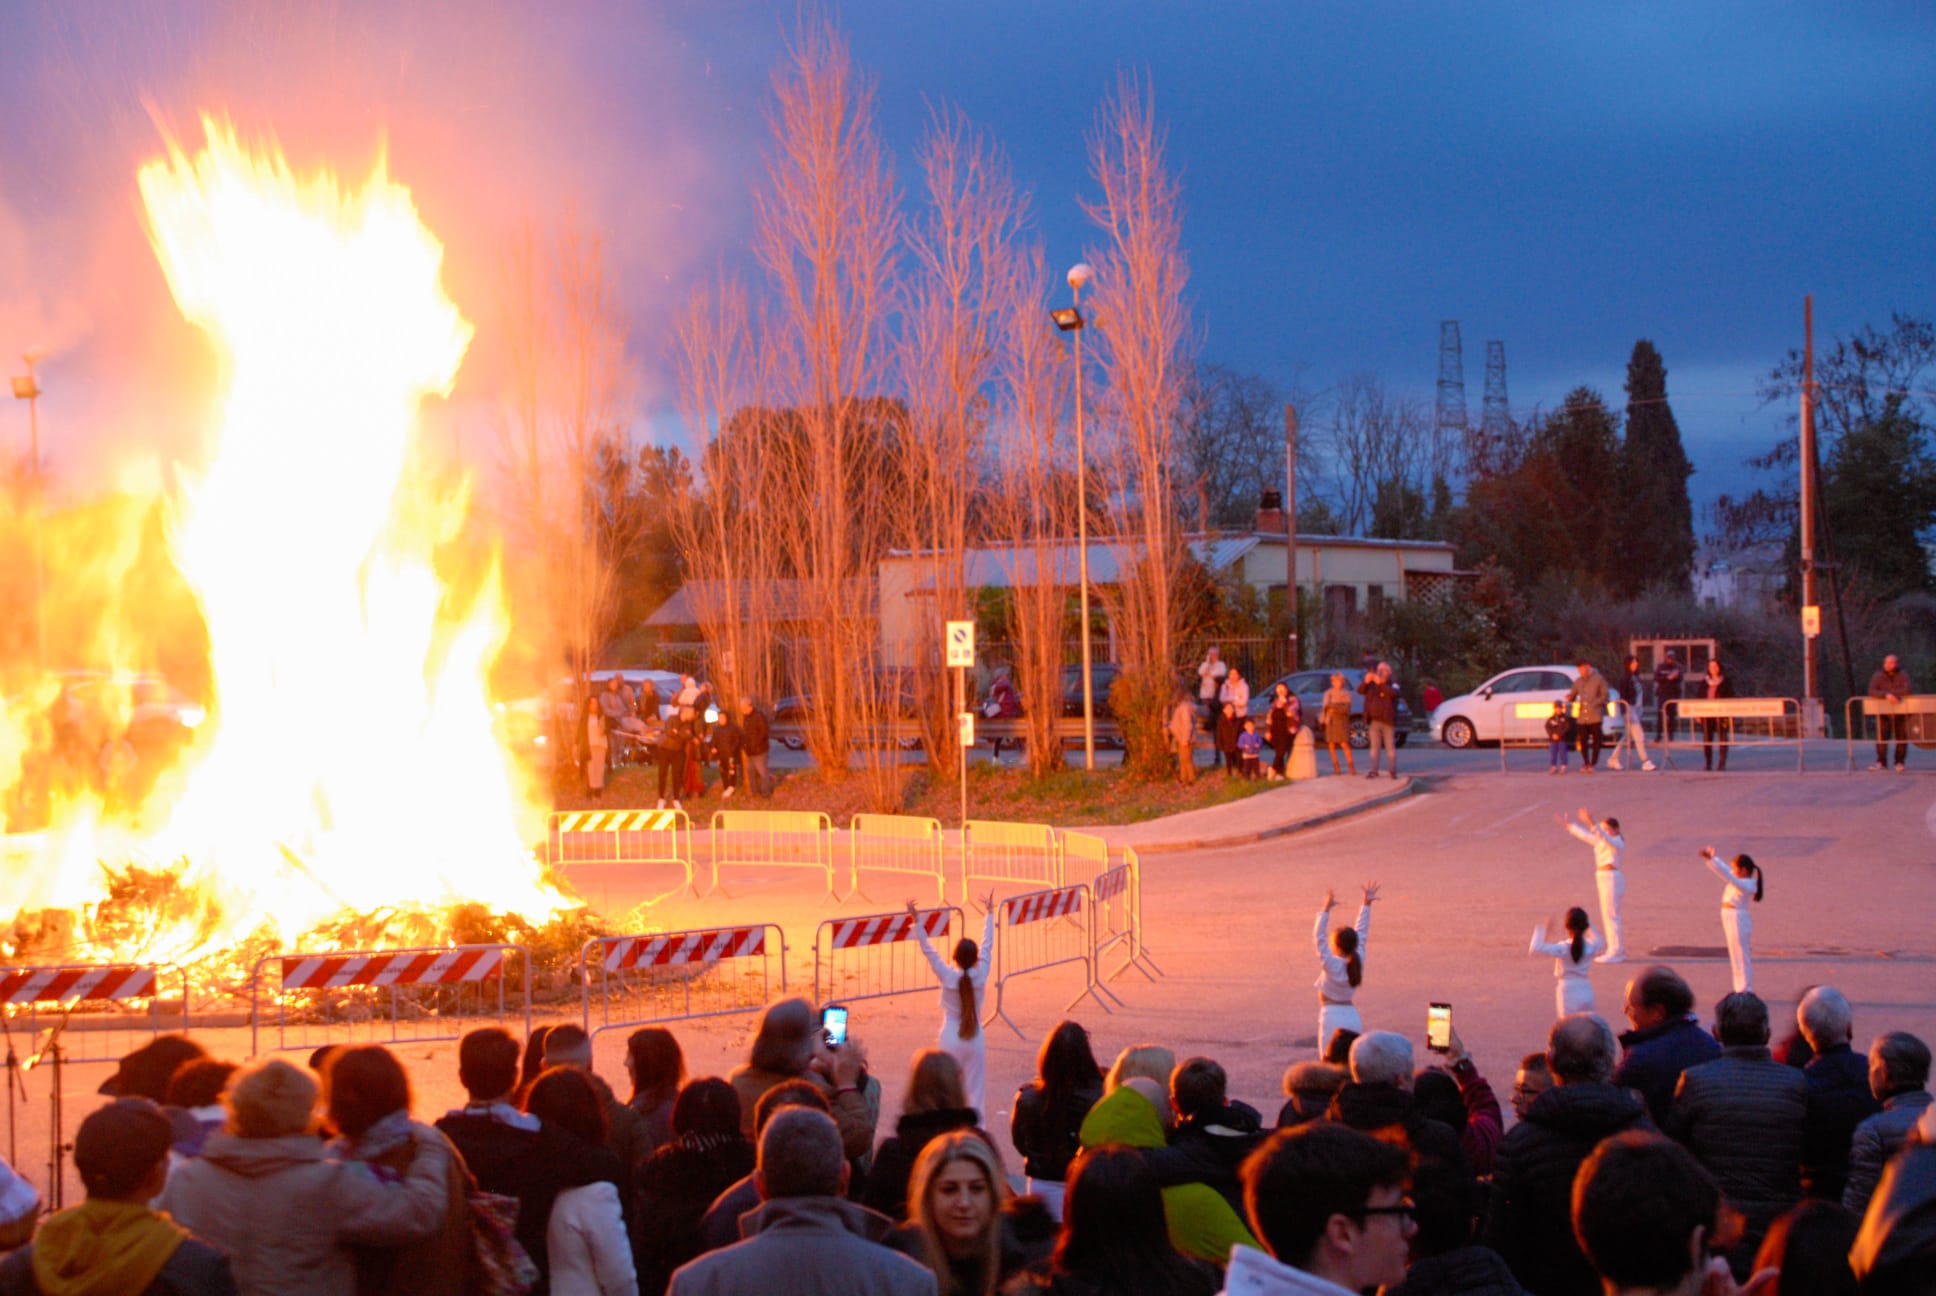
(1270,514)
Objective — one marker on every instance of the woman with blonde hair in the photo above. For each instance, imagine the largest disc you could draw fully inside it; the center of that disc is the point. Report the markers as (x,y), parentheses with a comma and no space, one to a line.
(1152,1061)
(934,1106)
(1334,722)
(954,1226)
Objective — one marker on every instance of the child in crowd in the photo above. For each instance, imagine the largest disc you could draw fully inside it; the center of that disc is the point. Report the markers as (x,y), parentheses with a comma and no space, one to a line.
(1250,747)
(1559,736)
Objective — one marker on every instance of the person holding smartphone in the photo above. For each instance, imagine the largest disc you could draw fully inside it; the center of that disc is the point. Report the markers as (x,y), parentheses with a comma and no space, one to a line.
(961,987)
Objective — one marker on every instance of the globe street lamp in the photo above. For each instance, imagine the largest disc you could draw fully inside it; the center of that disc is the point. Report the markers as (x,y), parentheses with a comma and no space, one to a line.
(28,390)
(1070,320)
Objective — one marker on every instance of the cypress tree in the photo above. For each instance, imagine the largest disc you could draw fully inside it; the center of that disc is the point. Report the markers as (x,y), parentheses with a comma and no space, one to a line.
(1658,517)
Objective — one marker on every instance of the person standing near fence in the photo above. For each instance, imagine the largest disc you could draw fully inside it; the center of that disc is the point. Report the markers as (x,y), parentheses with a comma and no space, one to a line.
(1559,737)
(1608,848)
(1590,692)
(1211,672)
(1633,731)
(1381,717)
(961,987)
(597,747)
(1735,923)
(671,756)
(1281,726)
(755,739)
(1891,683)
(1341,965)
(1183,737)
(1573,993)
(1714,685)
(1667,688)
(1334,718)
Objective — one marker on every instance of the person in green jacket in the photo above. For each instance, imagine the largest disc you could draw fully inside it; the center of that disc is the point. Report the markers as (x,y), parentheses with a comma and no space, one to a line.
(1200,1221)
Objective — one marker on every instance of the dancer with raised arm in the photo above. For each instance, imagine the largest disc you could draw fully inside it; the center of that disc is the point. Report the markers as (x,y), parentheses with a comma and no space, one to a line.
(961,987)
(1573,993)
(1341,965)
(1608,846)
(1735,876)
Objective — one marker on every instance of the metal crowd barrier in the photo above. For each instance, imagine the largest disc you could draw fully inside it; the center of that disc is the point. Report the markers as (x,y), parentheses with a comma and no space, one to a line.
(896,844)
(1523,724)
(1008,852)
(801,839)
(1719,722)
(876,956)
(621,837)
(385,996)
(1914,722)
(658,977)
(1084,856)
(1139,952)
(1038,930)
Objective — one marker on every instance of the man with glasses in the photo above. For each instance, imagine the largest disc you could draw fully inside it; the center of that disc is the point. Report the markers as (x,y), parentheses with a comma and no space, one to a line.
(1329,1203)
(1529,1082)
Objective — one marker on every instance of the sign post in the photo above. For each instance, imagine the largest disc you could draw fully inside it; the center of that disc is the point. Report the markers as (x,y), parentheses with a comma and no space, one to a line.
(960,644)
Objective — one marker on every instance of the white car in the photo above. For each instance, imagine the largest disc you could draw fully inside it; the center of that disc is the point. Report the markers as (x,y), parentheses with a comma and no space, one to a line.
(1512,705)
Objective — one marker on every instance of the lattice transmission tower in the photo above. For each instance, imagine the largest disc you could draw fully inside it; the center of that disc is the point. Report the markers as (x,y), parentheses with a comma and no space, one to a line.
(1449,417)
(1495,417)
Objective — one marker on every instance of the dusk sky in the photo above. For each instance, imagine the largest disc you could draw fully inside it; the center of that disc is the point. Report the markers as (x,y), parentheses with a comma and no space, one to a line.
(1563,177)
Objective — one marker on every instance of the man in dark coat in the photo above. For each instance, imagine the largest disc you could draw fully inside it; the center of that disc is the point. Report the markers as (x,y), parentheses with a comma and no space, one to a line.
(1527,1218)
(1741,1115)
(1667,688)
(1665,1039)
(1839,1097)
(1213,1135)
(755,738)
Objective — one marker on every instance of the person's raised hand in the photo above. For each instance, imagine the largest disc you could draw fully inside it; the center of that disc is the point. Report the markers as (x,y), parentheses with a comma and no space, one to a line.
(1455,1052)
(1330,901)
(1560,819)
(912,907)
(1371,891)
(1719,1280)
(988,901)
(1586,816)
(1707,852)
(849,1060)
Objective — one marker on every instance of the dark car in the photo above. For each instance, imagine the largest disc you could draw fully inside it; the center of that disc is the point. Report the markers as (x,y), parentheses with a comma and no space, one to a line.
(1101,676)
(895,695)
(1308,687)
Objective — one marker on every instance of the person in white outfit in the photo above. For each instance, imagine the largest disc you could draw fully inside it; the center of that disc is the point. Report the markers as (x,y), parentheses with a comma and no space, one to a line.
(1341,965)
(961,987)
(1572,993)
(1608,847)
(1735,922)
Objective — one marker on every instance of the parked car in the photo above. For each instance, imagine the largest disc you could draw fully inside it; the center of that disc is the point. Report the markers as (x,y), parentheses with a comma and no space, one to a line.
(666,683)
(1513,705)
(1308,687)
(895,692)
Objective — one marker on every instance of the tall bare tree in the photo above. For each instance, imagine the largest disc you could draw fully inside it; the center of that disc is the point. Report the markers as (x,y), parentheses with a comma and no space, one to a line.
(1378,446)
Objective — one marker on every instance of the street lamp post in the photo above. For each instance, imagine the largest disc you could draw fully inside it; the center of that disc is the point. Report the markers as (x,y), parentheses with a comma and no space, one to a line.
(1070,321)
(28,390)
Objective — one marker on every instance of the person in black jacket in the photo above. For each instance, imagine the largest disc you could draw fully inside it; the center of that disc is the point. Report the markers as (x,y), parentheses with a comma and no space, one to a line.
(1665,1039)
(1667,688)
(729,743)
(680,1181)
(935,1105)
(1839,1097)
(1713,686)
(1047,1123)
(1527,1217)
(670,755)
(755,740)
(1741,1115)
(1213,1135)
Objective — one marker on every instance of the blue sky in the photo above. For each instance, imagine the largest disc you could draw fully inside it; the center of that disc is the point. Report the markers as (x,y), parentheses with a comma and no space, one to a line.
(1563,177)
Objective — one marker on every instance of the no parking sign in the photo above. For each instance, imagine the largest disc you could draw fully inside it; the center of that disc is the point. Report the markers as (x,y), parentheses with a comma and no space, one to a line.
(961,643)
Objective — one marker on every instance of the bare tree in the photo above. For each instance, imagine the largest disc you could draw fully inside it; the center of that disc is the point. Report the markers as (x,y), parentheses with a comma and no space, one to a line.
(1379,444)
(1230,444)
(1142,328)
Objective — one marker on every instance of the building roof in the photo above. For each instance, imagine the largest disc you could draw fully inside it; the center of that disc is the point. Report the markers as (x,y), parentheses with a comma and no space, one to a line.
(786,600)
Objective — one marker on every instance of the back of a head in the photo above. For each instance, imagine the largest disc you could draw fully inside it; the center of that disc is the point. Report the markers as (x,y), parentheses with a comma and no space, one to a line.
(270,1099)
(1314,1080)
(1112,1213)
(1741,1020)
(1903,1060)
(1150,1060)
(657,1064)
(564,1096)
(706,1111)
(790,1093)
(1301,1177)
(534,1055)
(1436,1095)
(568,1045)
(801,1155)
(1636,1203)
(119,1148)
(1337,1049)
(1810,1245)
(1382,1057)
(487,1063)
(1580,1050)
(1825,1018)
(145,1073)
(784,1044)
(199,1083)
(935,1084)
(1198,1087)
(1662,987)
(1067,1060)
(362,1086)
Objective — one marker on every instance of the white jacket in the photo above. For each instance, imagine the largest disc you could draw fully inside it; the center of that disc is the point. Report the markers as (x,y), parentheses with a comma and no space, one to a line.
(1562,952)
(1334,976)
(590,1255)
(1607,847)
(1252,1273)
(951,976)
(1739,892)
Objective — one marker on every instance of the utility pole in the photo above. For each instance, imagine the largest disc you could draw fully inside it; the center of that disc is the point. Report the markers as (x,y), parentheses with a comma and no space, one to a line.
(1811,604)
(1290,527)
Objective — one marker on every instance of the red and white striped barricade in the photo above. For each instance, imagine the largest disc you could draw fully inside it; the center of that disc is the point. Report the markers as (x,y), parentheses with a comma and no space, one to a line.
(877,955)
(1008,852)
(1084,856)
(896,844)
(1038,930)
(386,996)
(1138,951)
(797,839)
(657,977)
(93,1012)
(594,837)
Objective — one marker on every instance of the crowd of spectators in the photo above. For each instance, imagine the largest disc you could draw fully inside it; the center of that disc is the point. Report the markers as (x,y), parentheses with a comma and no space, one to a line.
(1677,1157)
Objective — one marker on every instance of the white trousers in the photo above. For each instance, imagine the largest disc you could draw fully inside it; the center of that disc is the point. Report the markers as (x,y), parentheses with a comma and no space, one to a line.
(1737,925)
(1050,1191)
(1613,885)
(972,1054)
(1573,995)
(1335,1017)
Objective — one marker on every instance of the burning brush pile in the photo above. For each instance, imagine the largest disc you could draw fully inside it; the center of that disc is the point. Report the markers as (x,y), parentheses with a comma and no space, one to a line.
(348,790)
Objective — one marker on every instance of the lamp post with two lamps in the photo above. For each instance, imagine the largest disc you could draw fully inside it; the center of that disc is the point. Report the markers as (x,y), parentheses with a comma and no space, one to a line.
(28,390)
(1069,320)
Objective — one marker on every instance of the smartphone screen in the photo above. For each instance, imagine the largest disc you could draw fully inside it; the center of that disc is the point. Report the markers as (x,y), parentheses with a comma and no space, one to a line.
(1438,1027)
(833,1024)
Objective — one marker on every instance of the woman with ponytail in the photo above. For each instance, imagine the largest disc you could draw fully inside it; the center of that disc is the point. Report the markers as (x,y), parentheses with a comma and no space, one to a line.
(1571,961)
(1341,965)
(1735,895)
(961,987)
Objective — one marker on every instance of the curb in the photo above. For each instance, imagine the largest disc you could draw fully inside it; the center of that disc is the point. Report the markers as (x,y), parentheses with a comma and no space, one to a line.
(1277,830)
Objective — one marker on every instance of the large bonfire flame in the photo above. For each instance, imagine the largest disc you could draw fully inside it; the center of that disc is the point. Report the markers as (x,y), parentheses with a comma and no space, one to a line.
(350,765)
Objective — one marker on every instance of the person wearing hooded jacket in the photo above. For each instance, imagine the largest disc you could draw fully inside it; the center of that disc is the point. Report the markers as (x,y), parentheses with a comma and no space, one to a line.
(1213,1134)
(1201,1223)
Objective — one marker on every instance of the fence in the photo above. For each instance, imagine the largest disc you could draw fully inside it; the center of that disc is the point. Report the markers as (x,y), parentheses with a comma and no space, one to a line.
(773,839)
(896,844)
(1038,930)
(1523,724)
(91,1007)
(1720,723)
(424,994)
(1914,721)
(1139,952)
(1008,852)
(680,976)
(877,955)
(621,837)
(1084,856)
